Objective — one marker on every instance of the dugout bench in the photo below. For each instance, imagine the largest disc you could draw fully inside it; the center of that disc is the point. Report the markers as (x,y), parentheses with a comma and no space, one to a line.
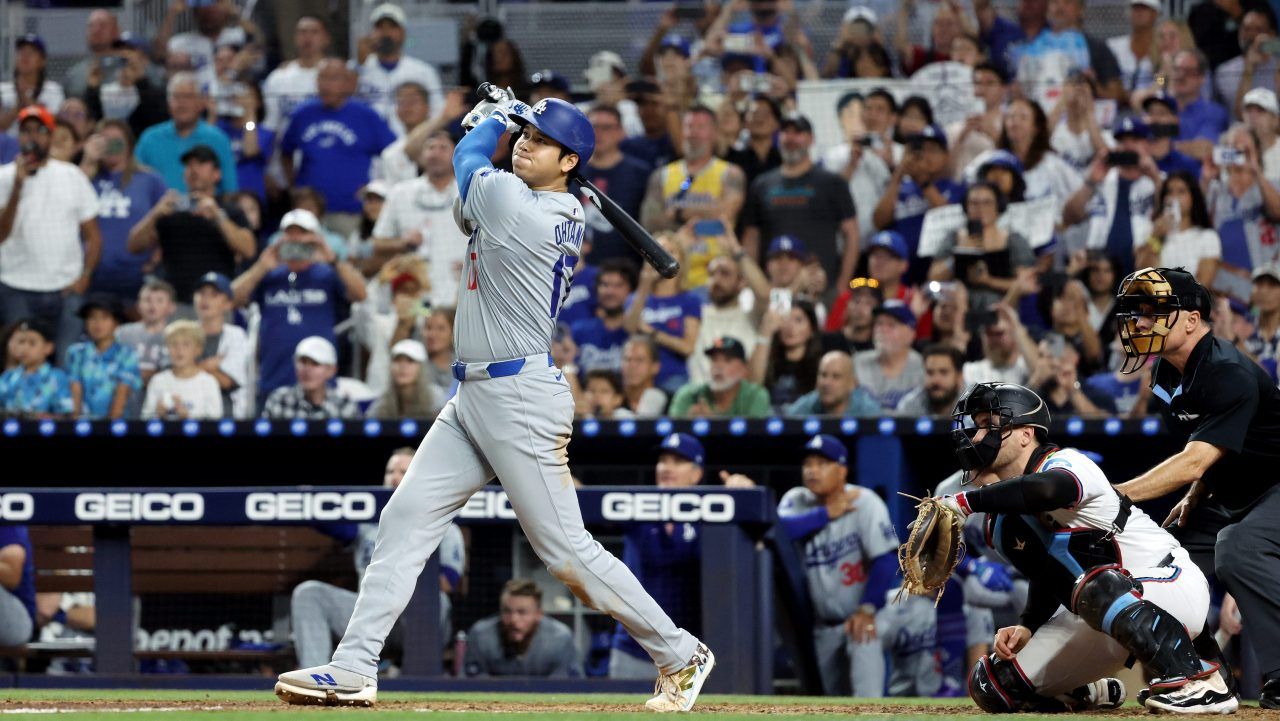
(138,534)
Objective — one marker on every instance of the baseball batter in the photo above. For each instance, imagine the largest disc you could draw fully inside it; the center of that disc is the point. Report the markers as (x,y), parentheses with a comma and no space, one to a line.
(511,417)
(1106,581)
(851,561)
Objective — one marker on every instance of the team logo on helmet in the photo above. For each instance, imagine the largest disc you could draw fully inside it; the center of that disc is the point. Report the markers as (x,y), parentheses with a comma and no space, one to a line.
(540,107)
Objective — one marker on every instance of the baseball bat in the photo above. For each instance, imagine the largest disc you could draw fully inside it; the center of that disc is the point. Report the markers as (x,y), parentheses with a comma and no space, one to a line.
(631,230)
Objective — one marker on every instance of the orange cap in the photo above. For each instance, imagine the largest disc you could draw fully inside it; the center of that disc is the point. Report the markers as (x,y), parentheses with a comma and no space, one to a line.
(39,112)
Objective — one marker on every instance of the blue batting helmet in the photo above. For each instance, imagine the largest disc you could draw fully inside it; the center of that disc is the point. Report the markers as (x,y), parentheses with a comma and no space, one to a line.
(564,123)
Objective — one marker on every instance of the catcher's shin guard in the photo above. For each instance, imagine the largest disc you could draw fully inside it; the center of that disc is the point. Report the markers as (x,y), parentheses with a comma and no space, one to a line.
(998,686)
(1109,600)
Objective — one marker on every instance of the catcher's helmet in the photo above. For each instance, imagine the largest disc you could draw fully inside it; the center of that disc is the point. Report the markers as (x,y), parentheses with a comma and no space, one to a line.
(1008,406)
(564,123)
(1159,294)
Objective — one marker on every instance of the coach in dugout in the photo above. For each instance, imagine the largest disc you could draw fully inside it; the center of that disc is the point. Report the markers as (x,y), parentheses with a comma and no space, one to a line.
(17,586)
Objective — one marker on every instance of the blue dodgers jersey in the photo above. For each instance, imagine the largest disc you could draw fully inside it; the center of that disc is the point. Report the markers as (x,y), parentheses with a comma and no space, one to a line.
(294,306)
(26,590)
(669,567)
(598,347)
(668,315)
(120,209)
(337,147)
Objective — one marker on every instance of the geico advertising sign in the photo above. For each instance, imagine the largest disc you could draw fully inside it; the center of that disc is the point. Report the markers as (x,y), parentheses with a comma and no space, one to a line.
(158,507)
(488,505)
(318,506)
(677,507)
(17,507)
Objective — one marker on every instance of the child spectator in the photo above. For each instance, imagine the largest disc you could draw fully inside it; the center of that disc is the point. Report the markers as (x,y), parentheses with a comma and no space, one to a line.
(604,397)
(640,364)
(34,388)
(145,337)
(103,371)
(226,347)
(411,393)
(184,390)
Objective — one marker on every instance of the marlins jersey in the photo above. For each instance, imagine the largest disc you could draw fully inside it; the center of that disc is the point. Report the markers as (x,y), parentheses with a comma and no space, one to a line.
(1053,549)
(518,267)
(837,557)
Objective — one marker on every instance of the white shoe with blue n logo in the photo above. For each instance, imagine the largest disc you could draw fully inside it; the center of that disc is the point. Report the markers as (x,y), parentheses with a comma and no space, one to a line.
(326,686)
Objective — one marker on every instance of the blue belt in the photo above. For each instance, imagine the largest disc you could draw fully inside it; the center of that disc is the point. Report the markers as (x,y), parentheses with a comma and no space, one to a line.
(499,369)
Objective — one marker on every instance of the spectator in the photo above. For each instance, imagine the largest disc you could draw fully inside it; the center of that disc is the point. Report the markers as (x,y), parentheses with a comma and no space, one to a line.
(836,391)
(728,392)
(1101,276)
(225,354)
(619,176)
(135,93)
(640,365)
(1103,67)
(600,338)
(1078,139)
(164,146)
(1245,209)
(252,143)
(49,239)
(1068,311)
(891,369)
(1008,353)
(950,309)
(294,81)
(1254,68)
(700,186)
(1056,379)
(603,396)
(437,336)
(298,284)
(413,108)
(30,85)
(146,336)
(74,112)
(1200,121)
(1263,345)
(520,641)
(1172,36)
(1002,169)
(101,32)
(982,256)
(943,384)
(1162,116)
(65,142)
(759,153)
(315,364)
(17,586)
(387,67)
(723,314)
(311,200)
(980,131)
(887,262)
(852,333)
(790,367)
(321,611)
(805,201)
(1119,218)
(861,166)
(126,193)
(669,315)
(34,388)
(826,515)
(919,183)
(859,29)
(947,24)
(195,230)
(410,393)
(1120,394)
(1214,24)
(1262,115)
(504,67)
(103,371)
(184,390)
(1135,52)
(1026,135)
(653,147)
(418,218)
(338,139)
(1183,236)
(914,116)
(547,84)
(373,200)
(215,24)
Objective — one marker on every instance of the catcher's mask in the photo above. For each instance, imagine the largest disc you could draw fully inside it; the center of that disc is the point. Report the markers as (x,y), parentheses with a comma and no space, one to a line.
(1001,407)
(1158,295)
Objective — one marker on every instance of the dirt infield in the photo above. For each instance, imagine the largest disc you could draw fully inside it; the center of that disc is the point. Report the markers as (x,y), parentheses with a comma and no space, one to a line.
(211,703)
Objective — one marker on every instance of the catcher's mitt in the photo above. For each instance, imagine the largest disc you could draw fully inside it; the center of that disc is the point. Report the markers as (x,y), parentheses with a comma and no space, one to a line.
(933,550)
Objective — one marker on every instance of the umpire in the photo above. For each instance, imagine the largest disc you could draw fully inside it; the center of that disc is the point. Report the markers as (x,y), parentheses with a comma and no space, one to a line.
(1229,410)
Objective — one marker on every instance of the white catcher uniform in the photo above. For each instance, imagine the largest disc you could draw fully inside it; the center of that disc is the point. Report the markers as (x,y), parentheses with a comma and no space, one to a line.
(1065,652)
(511,418)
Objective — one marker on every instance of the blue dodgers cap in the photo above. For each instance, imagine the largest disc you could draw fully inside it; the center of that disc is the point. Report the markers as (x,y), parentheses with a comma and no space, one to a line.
(829,447)
(787,244)
(672,41)
(897,310)
(217,281)
(929,133)
(892,241)
(1164,99)
(1132,127)
(1001,159)
(683,445)
(30,39)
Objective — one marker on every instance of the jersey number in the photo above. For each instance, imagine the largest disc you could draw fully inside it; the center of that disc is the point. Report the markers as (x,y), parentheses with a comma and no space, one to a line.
(852,573)
(561,273)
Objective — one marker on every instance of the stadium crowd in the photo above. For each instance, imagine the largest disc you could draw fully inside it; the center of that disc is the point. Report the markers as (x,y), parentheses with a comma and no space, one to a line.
(187,232)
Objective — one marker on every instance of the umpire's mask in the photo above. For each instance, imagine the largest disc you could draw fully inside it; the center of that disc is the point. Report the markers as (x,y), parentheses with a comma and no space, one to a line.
(1159,295)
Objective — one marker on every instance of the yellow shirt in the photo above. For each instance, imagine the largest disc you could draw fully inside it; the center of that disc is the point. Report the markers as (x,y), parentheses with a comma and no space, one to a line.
(699,197)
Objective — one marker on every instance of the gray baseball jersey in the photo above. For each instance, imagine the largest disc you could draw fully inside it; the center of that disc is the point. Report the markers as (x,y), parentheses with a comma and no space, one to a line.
(518,267)
(834,556)
(550,653)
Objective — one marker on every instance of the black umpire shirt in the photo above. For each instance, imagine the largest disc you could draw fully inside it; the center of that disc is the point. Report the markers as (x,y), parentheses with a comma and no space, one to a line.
(1225,399)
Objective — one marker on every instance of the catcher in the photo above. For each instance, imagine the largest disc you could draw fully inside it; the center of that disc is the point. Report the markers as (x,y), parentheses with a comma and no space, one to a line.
(1106,582)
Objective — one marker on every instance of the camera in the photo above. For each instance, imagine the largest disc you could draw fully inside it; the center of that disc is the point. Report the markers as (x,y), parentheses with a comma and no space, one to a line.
(1164,130)
(739,44)
(184,204)
(868,141)
(292,250)
(780,300)
(1224,155)
(974,228)
(1122,158)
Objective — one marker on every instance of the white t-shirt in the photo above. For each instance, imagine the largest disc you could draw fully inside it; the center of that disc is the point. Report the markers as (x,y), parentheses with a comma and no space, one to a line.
(287,87)
(984,371)
(233,346)
(201,49)
(393,166)
(1134,74)
(51,96)
(199,393)
(1077,148)
(378,87)
(43,252)
(866,185)
(1186,248)
(1271,164)
(417,205)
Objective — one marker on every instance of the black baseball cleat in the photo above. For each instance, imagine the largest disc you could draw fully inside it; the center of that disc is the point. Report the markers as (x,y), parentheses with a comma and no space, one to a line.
(1270,696)
(1199,696)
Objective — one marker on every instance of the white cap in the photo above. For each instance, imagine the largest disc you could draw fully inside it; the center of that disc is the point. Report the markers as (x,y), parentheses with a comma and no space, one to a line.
(608,58)
(302,218)
(380,188)
(1153,4)
(388,11)
(411,349)
(317,349)
(1263,98)
(861,12)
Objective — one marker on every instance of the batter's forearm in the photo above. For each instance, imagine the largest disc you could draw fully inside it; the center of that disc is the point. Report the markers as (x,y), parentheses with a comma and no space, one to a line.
(474,150)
